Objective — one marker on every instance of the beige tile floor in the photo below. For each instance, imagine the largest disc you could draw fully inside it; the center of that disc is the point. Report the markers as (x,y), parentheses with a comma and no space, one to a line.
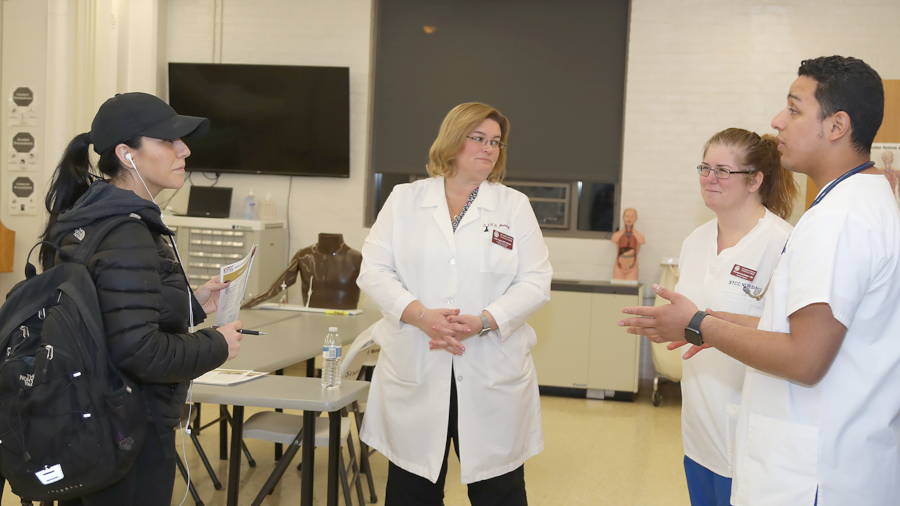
(597,453)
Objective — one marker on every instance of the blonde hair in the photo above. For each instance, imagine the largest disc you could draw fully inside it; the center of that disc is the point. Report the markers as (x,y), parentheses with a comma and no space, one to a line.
(452,136)
(760,154)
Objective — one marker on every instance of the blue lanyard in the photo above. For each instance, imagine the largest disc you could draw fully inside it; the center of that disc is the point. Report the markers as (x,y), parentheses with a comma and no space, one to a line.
(838,180)
(831,187)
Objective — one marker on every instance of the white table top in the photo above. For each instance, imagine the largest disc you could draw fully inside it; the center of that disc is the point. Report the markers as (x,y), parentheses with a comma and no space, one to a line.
(291,337)
(285,392)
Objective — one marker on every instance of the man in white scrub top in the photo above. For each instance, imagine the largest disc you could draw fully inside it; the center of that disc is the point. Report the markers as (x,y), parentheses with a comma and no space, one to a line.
(820,417)
(725,264)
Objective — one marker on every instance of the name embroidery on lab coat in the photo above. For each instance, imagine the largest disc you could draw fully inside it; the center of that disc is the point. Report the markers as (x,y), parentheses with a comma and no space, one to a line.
(742,272)
(495,225)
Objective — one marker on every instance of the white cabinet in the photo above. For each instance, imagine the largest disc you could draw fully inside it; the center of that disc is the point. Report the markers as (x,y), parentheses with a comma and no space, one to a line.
(206,244)
(580,348)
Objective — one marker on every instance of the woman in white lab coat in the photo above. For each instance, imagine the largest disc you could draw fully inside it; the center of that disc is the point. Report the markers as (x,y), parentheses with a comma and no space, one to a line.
(725,265)
(457,264)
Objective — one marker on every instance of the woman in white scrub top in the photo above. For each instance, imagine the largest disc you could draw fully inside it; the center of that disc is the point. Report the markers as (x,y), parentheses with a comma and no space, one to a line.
(725,265)
(457,264)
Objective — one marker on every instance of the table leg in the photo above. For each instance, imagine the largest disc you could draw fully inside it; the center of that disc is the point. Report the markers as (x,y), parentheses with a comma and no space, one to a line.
(278,447)
(278,472)
(234,465)
(223,432)
(334,450)
(196,429)
(309,456)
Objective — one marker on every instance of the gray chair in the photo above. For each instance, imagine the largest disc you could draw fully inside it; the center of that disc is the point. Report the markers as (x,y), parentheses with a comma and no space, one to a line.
(285,428)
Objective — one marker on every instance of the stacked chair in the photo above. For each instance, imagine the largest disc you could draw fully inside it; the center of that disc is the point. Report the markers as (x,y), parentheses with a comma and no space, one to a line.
(283,428)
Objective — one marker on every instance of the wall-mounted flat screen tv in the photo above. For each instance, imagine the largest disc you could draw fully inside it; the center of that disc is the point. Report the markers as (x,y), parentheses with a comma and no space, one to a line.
(266,119)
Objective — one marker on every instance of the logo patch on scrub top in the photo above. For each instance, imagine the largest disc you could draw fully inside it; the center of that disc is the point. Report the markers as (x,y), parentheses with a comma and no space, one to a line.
(742,272)
(503,240)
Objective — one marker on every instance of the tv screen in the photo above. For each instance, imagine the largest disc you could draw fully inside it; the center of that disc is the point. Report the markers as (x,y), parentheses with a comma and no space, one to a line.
(266,119)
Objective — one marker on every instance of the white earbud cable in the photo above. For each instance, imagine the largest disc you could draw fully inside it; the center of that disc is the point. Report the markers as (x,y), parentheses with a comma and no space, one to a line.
(174,245)
(191,317)
(183,451)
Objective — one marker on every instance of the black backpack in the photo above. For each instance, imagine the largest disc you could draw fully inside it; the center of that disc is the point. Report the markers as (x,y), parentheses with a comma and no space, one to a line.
(70,422)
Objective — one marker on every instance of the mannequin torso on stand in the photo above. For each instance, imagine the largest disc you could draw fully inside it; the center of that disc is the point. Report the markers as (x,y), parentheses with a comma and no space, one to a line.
(328,272)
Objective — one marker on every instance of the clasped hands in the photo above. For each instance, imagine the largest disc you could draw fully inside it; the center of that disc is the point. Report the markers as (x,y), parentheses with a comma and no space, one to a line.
(447,329)
(666,324)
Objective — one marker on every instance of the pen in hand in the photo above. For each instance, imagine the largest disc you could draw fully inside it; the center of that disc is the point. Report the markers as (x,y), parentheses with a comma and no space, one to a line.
(248,332)
(252,332)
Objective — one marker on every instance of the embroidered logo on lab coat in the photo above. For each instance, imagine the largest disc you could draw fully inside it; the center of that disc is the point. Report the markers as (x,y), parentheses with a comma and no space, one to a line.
(502,239)
(743,272)
(495,225)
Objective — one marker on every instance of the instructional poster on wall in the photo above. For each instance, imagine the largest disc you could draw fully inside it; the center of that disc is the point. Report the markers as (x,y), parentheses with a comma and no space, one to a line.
(887,158)
(23,155)
(22,107)
(22,196)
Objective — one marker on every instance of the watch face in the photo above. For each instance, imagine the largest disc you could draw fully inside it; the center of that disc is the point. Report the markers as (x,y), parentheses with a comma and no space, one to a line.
(692,331)
(485,326)
(693,337)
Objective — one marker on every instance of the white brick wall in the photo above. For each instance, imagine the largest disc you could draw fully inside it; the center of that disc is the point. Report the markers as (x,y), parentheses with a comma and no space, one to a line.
(697,67)
(290,32)
(694,68)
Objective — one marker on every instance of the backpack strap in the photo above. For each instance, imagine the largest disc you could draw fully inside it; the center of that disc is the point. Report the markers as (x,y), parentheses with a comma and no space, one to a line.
(196,314)
(91,243)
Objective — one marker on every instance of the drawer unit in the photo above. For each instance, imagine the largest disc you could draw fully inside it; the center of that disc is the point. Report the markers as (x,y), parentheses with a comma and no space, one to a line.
(581,350)
(207,244)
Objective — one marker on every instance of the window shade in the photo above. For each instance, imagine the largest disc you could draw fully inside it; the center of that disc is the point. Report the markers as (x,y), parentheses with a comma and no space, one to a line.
(555,69)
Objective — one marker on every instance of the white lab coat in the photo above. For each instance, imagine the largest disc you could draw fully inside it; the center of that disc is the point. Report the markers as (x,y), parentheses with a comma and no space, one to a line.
(412,253)
(712,381)
(841,437)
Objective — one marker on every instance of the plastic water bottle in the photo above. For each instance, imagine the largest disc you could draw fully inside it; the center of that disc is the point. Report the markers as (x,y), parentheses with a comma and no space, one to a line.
(250,207)
(331,359)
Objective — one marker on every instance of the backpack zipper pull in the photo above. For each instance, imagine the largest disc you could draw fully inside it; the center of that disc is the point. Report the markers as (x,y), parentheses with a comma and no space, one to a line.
(24,330)
(49,358)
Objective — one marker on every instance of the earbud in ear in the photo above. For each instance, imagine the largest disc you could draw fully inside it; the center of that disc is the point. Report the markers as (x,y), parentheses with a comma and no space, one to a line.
(131,161)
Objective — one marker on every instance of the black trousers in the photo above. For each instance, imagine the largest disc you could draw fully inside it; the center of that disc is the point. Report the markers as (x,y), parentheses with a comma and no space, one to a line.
(407,489)
(149,482)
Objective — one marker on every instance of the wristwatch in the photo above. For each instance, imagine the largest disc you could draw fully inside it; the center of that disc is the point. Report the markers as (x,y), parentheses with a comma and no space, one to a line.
(692,331)
(485,325)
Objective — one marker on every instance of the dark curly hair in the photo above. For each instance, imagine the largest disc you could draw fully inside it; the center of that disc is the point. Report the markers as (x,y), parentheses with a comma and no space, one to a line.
(848,84)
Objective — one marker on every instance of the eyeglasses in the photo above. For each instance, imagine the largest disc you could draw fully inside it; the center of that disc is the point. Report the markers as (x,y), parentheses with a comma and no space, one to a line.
(484,140)
(721,173)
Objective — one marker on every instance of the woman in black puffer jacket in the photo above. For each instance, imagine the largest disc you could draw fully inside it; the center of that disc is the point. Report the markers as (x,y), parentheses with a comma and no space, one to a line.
(143,294)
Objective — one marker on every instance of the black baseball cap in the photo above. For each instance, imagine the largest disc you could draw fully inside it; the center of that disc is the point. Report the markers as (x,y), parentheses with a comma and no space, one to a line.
(129,114)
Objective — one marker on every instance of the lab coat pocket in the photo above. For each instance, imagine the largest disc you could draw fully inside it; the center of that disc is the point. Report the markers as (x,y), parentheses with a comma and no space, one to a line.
(496,258)
(780,463)
(508,360)
(402,353)
(732,412)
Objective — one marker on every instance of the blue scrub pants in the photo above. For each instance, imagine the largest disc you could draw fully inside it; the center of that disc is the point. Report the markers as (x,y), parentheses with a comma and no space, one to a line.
(705,487)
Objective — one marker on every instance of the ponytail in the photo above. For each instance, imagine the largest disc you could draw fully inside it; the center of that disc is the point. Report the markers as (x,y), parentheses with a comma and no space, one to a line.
(760,154)
(70,180)
(779,190)
(73,177)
